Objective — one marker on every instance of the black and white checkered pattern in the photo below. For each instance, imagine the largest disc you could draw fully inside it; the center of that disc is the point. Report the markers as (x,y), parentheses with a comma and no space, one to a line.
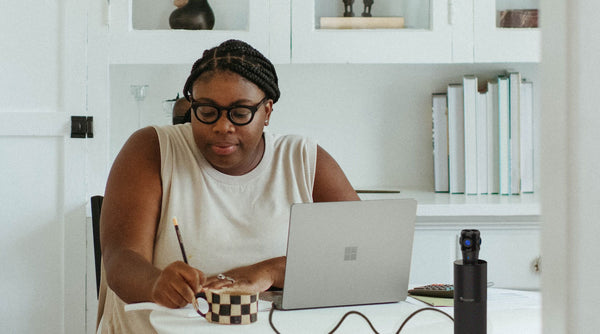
(231,309)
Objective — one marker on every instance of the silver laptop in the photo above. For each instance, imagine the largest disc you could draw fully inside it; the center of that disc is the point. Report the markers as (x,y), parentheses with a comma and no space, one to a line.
(348,253)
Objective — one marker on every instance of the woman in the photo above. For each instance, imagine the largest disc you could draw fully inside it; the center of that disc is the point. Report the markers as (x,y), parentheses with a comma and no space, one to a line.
(229,184)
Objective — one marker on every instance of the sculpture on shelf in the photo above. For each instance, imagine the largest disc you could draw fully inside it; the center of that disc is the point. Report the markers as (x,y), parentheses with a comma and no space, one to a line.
(367,11)
(348,8)
(194,15)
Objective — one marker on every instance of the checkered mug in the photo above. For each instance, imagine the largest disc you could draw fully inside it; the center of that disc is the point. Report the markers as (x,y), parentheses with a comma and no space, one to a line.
(229,308)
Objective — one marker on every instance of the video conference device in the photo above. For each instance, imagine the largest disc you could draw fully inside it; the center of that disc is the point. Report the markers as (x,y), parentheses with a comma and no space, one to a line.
(348,253)
(470,286)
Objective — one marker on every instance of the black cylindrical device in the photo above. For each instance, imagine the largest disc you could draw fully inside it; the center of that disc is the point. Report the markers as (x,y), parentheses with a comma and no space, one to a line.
(470,287)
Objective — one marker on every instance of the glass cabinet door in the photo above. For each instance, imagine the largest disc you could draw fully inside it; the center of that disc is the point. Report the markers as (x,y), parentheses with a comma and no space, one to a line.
(506,31)
(140,33)
(406,31)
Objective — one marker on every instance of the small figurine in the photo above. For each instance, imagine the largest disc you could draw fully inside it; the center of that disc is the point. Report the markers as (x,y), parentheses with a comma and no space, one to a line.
(348,8)
(367,11)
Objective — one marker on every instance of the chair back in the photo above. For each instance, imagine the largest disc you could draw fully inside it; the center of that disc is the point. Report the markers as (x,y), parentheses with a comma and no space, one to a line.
(96,202)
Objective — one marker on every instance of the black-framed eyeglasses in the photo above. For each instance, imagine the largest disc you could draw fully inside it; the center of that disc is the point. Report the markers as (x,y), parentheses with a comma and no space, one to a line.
(209,113)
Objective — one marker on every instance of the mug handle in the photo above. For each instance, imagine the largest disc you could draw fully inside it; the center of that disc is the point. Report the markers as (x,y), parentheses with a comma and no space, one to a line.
(195,303)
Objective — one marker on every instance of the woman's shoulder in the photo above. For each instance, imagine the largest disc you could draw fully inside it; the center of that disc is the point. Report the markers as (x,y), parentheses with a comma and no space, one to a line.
(173,130)
(178,135)
(291,141)
(142,144)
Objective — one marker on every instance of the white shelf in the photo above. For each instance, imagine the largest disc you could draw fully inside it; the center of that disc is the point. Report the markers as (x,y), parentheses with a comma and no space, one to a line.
(431,44)
(443,31)
(495,44)
(268,30)
(432,204)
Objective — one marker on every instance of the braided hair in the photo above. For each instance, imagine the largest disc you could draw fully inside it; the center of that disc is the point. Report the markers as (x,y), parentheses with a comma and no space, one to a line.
(238,57)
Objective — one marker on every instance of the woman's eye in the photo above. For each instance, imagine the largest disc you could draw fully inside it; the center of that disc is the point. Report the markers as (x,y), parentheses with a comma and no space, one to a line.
(240,113)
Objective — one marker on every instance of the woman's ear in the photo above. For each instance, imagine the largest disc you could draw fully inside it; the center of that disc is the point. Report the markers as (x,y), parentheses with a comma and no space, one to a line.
(268,111)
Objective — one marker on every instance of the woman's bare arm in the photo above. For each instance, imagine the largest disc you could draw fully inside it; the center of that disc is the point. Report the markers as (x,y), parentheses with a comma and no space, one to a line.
(129,219)
(331,183)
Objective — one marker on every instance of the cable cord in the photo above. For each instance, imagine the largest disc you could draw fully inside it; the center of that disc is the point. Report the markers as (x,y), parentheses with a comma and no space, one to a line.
(364,317)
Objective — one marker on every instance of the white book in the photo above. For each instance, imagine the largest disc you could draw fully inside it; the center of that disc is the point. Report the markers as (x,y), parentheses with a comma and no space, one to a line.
(493,162)
(504,135)
(482,145)
(515,132)
(527,173)
(470,119)
(456,139)
(439,117)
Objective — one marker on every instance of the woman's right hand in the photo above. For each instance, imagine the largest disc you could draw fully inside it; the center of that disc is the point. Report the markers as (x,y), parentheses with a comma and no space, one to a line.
(177,285)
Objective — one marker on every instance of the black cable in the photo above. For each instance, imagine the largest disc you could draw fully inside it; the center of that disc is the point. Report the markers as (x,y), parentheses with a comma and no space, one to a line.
(421,310)
(364,317)
(271,319)
(354,312)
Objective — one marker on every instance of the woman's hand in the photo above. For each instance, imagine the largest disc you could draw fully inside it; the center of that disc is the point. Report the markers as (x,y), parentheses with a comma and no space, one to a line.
(177,285)
(253,278)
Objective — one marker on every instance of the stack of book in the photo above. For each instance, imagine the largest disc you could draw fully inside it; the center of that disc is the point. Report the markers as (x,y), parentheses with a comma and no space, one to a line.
(483,139)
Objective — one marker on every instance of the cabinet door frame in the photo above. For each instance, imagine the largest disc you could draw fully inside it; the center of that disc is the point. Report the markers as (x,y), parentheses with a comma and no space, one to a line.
(434,45)
(494,44)
(132,46)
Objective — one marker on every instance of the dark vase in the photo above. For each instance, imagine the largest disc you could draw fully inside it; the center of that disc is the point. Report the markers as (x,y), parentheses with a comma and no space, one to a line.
(196,15)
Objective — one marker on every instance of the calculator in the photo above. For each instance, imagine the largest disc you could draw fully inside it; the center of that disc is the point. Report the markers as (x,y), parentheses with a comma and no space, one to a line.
(434,290)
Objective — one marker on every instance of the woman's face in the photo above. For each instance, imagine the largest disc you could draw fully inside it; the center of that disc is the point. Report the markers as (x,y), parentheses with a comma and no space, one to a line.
(229,148)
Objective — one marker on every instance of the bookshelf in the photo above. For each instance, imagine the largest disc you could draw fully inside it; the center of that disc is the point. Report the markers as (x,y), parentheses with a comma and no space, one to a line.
(437,34)
(433,205)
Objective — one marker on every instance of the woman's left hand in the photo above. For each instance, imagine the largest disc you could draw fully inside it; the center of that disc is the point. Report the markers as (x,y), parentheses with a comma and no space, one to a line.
(254,278)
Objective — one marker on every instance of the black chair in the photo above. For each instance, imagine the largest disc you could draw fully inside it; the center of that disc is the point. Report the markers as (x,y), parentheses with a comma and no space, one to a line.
(96,202)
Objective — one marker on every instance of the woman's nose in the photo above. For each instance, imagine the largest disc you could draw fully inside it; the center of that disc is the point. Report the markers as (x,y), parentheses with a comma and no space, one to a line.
(223,124)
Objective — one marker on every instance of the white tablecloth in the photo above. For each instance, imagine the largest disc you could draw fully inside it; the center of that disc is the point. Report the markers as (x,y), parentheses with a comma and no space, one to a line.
(509,311)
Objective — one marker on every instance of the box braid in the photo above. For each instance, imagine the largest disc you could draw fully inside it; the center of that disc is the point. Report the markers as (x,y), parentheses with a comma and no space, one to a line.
(241,58)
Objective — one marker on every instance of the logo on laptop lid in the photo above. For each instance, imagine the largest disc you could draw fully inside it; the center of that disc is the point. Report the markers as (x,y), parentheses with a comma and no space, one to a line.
(350,253)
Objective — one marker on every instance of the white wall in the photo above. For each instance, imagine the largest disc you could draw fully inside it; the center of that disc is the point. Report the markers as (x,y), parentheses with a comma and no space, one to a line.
(31,237)
(30,56)
(42,81)
(374,119)
(571,181)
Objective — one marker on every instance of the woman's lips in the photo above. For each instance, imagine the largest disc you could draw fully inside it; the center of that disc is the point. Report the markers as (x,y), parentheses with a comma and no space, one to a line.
(224,149)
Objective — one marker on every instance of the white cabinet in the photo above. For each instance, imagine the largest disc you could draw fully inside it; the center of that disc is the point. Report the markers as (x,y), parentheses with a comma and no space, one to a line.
(139,32)
(426,38)
(436,31)
(510,245)
(495,44)
(510,233)
(288,31)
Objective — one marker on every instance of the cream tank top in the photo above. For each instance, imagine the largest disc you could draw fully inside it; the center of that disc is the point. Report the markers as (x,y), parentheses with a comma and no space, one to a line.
(229,221)
(225,221)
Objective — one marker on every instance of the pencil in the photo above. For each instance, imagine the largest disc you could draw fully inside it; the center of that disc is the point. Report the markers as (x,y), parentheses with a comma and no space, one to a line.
(179,239)
(195,301)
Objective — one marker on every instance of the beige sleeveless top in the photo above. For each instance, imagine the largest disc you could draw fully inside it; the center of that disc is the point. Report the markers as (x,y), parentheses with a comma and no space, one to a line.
(225,221)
